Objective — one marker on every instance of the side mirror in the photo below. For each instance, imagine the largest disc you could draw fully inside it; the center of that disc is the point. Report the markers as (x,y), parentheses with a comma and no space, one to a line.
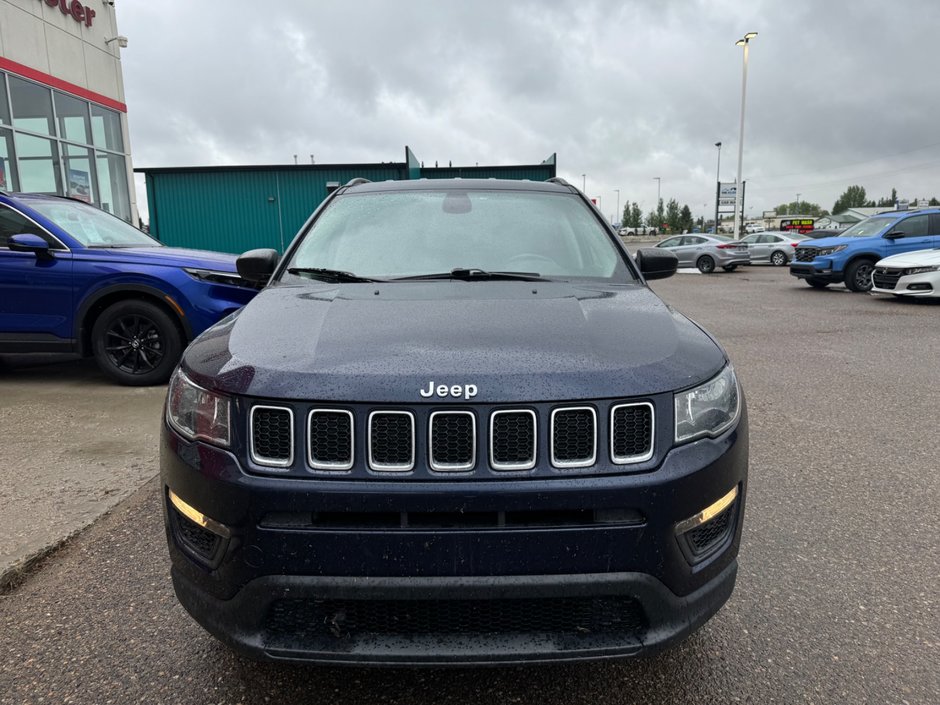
(895,235)
(656,264)
(257,265)
(27,242)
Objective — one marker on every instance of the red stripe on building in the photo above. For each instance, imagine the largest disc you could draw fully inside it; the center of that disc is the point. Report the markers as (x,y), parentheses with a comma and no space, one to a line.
(53,82)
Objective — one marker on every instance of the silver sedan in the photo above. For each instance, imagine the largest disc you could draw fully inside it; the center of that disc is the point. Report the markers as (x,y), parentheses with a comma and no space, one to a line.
(774,246)
(707,251)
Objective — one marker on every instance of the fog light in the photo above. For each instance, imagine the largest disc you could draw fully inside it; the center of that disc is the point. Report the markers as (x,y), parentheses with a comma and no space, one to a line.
(919,287)
(707,514)
(197,517)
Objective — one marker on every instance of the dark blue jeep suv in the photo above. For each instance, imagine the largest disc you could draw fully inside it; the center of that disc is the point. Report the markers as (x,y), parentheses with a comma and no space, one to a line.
(74,279)
(456,427)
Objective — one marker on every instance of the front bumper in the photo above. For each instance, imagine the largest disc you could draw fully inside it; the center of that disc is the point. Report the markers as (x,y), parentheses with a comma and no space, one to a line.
(277,592)
(925,285)
(245,622)
(821,271)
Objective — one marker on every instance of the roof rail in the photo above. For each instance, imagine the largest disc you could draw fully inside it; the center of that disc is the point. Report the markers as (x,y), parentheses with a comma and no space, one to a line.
(358,180)
(558,180)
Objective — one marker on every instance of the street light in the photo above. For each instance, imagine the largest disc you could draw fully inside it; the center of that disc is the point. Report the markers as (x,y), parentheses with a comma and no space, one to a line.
(717,187)
(744,42)
(583,183)
(618,214)
(798,204)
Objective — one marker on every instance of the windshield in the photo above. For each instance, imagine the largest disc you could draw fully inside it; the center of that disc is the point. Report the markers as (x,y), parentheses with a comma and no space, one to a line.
(413,233)
(91,226)
(867,228)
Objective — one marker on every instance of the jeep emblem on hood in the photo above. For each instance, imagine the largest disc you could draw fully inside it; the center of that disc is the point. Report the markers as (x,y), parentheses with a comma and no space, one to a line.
(467,391)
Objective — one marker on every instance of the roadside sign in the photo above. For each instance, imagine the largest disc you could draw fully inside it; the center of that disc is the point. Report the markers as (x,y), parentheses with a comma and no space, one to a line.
(727,190)
(801,225)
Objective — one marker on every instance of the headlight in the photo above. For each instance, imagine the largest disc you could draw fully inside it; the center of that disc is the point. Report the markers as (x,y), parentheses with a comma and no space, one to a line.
(709,409)
(920,270)
(213,276)
(831,250)
(196,412)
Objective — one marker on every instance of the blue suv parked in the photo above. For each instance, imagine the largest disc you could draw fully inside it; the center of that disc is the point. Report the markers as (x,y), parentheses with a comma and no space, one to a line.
(74,279)
(850,257)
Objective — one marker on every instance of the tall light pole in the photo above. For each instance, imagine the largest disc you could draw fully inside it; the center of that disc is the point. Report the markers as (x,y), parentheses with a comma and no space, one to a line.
(618,213)
(659,183)
(798,204)
(583,183)
(743,42)
(717,187)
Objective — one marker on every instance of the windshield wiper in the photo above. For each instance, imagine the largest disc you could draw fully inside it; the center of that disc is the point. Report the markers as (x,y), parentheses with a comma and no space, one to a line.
(333,275)
(472,274)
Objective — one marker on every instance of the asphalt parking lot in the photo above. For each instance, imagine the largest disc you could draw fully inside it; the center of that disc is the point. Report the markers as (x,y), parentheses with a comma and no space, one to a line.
(836,600)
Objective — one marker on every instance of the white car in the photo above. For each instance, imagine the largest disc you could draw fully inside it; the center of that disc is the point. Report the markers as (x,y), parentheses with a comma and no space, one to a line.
(909,274)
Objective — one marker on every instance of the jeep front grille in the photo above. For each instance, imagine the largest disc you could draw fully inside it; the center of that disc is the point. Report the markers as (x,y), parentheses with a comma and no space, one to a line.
(392,441)
(330,439)
(541,439)
(452,440)
(513,440)
(574,437)
(886,278)
(272,436)
(631,433)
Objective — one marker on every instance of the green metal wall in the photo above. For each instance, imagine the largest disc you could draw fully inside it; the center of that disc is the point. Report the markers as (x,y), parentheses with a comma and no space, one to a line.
(240,208)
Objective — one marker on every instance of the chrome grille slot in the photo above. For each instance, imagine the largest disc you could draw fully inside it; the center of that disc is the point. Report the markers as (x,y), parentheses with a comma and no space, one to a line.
(513,440)
(631,433)
(452,441)
(271,434)
(330,439)
(392,441)
(574,437)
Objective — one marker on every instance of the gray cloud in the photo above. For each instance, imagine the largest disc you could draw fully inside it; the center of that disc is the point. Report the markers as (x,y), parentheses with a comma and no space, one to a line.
(622,91)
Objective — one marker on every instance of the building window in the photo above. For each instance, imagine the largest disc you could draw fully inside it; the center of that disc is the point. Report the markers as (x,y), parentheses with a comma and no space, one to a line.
(8,180)
(106,127)
(78,173)
(72,115)
(63,145)
(32,107)
(112,185)
(39,164)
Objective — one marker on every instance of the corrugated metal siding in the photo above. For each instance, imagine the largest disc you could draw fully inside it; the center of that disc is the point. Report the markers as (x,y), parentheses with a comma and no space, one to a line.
(222,211)
(239,210)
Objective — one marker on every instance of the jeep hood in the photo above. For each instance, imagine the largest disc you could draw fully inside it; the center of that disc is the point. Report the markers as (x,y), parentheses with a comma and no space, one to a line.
(515,341)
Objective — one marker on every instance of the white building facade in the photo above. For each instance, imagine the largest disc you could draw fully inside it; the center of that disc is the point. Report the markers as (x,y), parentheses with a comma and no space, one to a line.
(63,120)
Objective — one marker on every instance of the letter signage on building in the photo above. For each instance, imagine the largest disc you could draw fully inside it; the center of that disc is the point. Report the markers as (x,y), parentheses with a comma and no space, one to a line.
(80,13)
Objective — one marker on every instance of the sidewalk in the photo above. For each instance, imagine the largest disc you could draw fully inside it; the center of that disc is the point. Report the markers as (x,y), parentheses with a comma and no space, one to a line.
(74,445)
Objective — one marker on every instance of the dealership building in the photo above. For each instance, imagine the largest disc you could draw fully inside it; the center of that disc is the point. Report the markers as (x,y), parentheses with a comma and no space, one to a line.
(63,121)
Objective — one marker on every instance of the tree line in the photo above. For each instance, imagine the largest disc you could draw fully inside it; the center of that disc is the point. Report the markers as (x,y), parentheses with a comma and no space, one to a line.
(668,217)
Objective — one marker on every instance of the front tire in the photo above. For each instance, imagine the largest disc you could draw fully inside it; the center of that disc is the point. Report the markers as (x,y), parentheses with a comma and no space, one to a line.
(705,264)
(858,275)
(778,259)
(136,343)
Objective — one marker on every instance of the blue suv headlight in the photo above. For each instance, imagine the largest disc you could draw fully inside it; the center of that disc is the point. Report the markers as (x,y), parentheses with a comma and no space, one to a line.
(710,409)
(830,250)
(197,413)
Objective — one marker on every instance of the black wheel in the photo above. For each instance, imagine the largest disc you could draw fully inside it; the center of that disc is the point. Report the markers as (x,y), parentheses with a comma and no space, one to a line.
(858,275)
(778,258)
(817,283)
(730,267)
(705,264)
(136,343)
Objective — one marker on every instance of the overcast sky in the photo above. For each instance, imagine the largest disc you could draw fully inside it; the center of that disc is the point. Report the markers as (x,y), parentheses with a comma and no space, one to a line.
(838,93)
